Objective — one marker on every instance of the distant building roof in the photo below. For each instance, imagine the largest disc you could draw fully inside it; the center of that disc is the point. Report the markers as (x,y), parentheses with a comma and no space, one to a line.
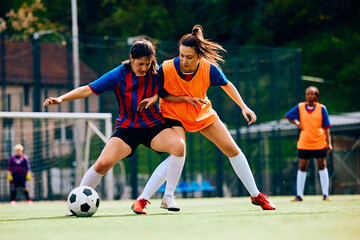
(56,64)
(341,122)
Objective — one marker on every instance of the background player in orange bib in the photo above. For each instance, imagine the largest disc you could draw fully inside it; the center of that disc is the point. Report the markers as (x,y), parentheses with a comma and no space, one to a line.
(314,141)
(184,105)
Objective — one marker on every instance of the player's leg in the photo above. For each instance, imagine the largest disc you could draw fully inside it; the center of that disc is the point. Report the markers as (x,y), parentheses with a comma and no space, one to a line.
(220,136)
(25,190)
(324,177)
(115,150)
(169,141)
(158,177)
(13,191)
(301,177)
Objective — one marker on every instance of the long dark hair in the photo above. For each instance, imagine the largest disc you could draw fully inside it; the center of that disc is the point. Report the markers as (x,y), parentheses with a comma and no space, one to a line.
(143,48)
(204,47)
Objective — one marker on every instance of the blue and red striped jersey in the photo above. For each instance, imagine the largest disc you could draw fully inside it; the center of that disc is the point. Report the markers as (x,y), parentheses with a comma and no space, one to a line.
(130,90)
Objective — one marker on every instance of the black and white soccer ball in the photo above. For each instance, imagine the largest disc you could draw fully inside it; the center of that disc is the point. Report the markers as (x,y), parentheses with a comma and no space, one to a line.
(83,201)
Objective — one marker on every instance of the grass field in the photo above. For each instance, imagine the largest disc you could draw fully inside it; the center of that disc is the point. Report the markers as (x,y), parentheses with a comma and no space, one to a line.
(201,218)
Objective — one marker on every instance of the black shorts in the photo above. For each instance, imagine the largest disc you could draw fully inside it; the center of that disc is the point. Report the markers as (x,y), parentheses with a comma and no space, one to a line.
(136,136)
(18,181)
(172,122)
(307,154)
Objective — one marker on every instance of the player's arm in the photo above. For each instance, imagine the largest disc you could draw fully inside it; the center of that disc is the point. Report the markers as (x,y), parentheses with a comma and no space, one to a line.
(293,115)
(77,93)
(10,177)
(172,98)
(328,140)
(147,102)
(192,100)
(294,121)
(234,94)
(326,125)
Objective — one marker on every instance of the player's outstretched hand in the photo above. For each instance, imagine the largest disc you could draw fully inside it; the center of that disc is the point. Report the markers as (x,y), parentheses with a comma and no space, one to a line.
(51,101)
(147,102)
(196,101)
(247,111)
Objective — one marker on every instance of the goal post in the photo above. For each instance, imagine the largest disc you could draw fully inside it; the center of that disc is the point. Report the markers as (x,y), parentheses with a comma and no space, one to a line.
(59,145)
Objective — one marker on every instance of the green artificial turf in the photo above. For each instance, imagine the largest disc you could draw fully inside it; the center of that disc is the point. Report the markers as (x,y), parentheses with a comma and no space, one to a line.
(199,218)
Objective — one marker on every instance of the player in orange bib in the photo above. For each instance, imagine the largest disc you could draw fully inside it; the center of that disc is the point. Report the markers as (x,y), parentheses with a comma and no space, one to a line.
(314,141)
(185,106)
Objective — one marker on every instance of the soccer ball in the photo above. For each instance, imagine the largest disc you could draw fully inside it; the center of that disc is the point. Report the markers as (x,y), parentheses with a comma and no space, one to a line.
(83,201)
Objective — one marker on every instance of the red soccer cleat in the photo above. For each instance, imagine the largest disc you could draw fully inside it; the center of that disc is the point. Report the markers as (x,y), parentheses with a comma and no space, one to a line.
(139,206)
(263,201)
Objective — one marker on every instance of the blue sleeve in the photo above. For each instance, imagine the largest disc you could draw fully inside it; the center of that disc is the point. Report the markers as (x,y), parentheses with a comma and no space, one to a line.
(162,92)
(293,113)
(325,117)
(217,77)
(107,82)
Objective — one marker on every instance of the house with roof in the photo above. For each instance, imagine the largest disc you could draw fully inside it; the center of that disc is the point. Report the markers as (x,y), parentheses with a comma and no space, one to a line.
(45,69)
(30,73)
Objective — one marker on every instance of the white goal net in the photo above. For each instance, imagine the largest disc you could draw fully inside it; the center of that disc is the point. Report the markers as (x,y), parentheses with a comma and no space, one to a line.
(61,147)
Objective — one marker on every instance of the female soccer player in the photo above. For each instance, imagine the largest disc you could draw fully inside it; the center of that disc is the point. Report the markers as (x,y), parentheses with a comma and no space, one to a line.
(133,81)
(314,141)
(184,105)
(18,173)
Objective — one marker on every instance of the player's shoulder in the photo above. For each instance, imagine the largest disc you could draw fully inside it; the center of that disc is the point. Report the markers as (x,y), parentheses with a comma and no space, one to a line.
(323,108)
(122,69)
(120,72)
(301,104)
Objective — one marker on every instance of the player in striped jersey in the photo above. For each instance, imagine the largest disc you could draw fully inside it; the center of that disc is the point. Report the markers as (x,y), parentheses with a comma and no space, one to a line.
(131,82)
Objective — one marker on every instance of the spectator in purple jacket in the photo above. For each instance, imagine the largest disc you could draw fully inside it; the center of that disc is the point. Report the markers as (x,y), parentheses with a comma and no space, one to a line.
(19,173)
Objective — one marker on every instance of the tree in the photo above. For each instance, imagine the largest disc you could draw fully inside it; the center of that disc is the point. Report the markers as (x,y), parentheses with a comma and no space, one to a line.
(26,21)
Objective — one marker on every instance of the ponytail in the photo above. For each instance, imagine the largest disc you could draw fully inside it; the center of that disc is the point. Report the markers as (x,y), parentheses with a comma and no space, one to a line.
(205,48)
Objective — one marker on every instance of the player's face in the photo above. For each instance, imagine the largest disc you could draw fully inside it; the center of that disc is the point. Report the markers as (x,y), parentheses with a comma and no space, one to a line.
(310,95)
(189,59)
(141,65)
(18,152)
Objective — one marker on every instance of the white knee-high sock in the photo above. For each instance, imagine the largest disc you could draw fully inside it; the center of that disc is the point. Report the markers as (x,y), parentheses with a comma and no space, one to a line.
(91,178)
(155,181)
(174,169)
(242,170)
(300,183)
(324,181)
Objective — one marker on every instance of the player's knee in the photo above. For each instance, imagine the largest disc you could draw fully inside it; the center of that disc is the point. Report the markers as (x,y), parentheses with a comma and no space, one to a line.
(179,148)
(303,168)
(321,166)
(231,151)
(102,166)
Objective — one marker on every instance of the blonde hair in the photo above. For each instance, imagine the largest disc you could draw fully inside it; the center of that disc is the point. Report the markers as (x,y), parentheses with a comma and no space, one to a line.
(19,146)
